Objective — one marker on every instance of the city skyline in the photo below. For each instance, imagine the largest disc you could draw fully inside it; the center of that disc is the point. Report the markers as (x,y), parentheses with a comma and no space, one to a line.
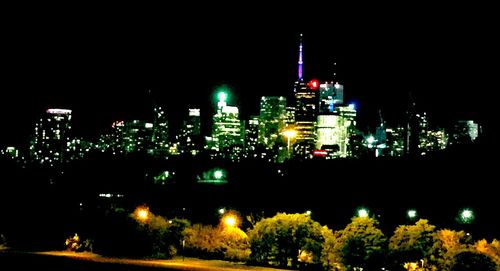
(104,78)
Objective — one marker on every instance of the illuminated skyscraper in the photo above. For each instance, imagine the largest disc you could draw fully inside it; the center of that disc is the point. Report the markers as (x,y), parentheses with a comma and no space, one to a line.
(330,95)
(159,140)
(306,101)
(251,136)
(464,131)
(272,120)
(52,137)
(137,136)
(190,136)
(335,130)
(227,129)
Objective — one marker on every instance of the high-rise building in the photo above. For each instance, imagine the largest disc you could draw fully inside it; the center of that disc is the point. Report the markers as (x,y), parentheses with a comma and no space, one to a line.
(306,101)
(159,140)
(327,131)
(330,95)
(137,136)
(338,98)
(272,120)
(412,131)
(251,137)
(395,141)
(346,125)
(335,130)
(290,116)
(464,131)
(52,137)
(113,141)
(190,136)
(227,129)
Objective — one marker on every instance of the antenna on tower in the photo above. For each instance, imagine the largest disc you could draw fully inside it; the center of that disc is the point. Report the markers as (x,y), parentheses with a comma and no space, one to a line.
(380,117)
(301,62)
(335,79)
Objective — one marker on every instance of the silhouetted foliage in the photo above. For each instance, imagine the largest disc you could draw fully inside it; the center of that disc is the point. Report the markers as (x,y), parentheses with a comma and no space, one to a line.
(470,261)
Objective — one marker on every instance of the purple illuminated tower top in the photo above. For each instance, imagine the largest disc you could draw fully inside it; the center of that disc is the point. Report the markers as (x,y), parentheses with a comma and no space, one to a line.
(300,59)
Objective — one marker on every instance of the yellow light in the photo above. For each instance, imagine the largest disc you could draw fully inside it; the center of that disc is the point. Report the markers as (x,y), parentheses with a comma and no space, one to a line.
(142,213)
(230,221)
(290,133)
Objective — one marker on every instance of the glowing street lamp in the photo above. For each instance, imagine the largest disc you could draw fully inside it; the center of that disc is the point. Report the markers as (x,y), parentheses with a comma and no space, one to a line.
(308,212)
(466,216)
(218,174)
(222,211)
(142,214)
(230,220)
(363,212)
(289,134)
(412,214)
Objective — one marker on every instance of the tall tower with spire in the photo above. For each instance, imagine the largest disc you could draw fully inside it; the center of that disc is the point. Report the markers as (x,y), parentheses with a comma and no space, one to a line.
(301,61)
(306,101)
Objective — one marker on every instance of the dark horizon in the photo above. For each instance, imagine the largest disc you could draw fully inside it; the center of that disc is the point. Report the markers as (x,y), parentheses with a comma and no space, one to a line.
(101,69)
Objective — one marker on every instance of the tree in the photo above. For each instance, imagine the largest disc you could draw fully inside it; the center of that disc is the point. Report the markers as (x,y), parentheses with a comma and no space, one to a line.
(491,250)
(468,261)
(412,243)
(281,239)
(359,245)
(448,244)
(217,242)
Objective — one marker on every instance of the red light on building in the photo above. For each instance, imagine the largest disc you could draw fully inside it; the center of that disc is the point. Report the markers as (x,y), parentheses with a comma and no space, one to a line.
(320,153)
(313,84)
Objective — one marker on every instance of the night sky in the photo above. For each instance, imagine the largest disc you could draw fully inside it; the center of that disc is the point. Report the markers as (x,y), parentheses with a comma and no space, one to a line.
(101,64)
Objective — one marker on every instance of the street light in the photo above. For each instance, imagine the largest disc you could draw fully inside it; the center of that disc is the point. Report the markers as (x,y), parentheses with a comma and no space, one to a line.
(218,174)
(230,221)
(289,134)
(142,214)
(308,212)
(412,214)
(466,216)
(363,212)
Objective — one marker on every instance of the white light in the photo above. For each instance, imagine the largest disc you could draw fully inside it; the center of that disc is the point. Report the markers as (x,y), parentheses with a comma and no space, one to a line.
(149,125)
(362,213)
(351,106)
(58,111)
(222,211)
(412,213)
(467,213)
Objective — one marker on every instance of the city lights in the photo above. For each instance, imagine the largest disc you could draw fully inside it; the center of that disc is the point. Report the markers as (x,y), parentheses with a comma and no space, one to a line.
(313,84)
